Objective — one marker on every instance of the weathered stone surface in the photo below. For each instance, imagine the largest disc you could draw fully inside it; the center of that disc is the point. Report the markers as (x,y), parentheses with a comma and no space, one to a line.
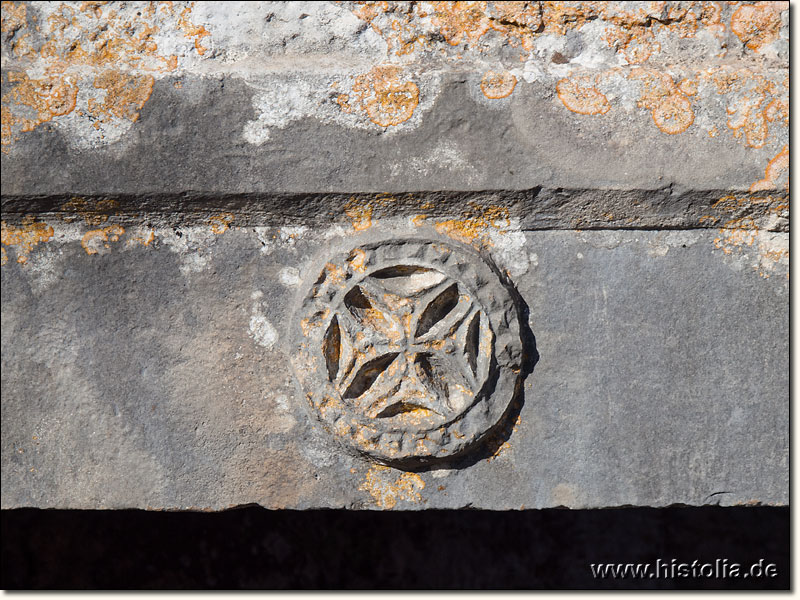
(157,376)
(174,175)
(171,103)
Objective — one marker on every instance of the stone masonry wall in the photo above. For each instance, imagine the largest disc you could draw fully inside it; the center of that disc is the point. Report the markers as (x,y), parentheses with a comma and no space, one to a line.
(394,254)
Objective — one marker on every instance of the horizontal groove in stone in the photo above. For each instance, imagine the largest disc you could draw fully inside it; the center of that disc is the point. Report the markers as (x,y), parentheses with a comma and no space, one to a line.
(533,209)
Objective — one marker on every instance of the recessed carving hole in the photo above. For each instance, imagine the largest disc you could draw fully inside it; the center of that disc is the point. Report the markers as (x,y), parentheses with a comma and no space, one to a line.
(367,375)
(408,280)
(432,374)
(437,309)
(402,407)
(399,271)
(473,339)
(355,300)
(332,347)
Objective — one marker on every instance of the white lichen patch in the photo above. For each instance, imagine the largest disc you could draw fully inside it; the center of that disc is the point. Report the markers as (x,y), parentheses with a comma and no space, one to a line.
(260,329)
(191,244)
(509,248)
(445,155)
(289,276)
(663,241)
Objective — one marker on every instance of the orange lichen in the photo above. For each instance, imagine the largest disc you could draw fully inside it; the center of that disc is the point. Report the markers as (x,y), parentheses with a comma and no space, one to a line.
(768,206)
(517,21)
(637,43)
(360,215)
(496,85)
(773,173)
(580,96)
(674,114)
(738,234)
(356,260)
(93,212)
(221,222)
(387,99)
(190,30)
(37,101)
(461,21)
(560,17)
(670,108)
(94,239)
(756,103)
(408,27)
(387,492)
(14,17)
(125,95)
(757,25)
(112,45)
(474,225)
(25,237)
(688,87)
(145,239)
(418,220)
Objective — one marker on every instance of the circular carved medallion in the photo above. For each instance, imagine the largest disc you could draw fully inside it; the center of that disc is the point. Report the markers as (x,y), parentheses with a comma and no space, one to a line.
(409,350)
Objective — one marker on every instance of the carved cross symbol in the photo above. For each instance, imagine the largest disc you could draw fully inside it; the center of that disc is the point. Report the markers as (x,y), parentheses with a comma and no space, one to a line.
(408,342)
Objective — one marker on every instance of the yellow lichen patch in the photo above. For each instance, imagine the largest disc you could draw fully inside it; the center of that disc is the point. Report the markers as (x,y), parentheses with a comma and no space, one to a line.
(37,101)
(670,108)
(94,240)
(758,24)
(580,96)
(775,170)
(221,222)
(673,114)
(25,237)
(387,98)
(106,49)
(637,43)
(496,85)
(192,31)
(736,232)
(141,237)
(418,220)
(560,17)
(3,257)
(14,17)
(386,491)
(93,212)
(461,21)
(475,224)
(771,249)
(688,87)
(359,214)
(124,97)
(356,260)
(518,21)
(756,102)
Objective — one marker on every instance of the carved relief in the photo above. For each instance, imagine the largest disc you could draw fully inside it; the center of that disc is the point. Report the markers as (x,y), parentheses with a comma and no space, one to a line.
(409,350)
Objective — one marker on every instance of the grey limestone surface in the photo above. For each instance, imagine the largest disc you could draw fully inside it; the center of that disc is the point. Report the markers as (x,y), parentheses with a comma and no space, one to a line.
(156,377)
(173,175)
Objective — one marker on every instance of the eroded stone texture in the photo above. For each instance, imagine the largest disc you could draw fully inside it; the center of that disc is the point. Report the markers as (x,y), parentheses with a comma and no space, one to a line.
(176,176)
(268,97)
(410,349)
(159,375)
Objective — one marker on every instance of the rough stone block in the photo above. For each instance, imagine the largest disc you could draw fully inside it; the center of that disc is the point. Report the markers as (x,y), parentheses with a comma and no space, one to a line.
(394,255)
